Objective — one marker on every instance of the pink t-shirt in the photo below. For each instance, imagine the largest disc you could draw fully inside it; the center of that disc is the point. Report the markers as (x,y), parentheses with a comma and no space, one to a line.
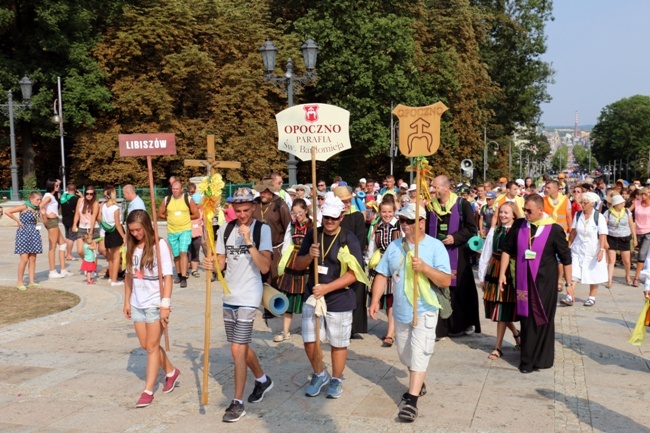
(642,218)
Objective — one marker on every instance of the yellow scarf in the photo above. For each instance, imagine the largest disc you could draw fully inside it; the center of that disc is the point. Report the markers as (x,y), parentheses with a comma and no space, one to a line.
(545,221)
(424,289)
(560,202)
(348,261)
(617,215)
(450,203)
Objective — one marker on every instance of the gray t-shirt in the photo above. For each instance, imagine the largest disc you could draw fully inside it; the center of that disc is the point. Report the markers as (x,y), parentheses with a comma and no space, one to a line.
(242,276)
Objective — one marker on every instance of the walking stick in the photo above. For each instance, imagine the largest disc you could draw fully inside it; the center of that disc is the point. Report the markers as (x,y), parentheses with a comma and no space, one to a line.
(154,217)
(417,234)
(319,355)
(208,311)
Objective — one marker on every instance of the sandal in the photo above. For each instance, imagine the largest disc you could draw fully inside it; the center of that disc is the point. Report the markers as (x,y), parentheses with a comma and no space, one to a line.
(636,282)
(388,341)
(34,286)
(628,280)
(196,274)
(408,413)
(21,287)
(282,336)
(609,285)
(517,340)
(496,354)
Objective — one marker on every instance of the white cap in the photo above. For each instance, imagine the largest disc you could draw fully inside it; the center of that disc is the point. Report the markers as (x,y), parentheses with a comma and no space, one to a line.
(413,187)
(332,207)
(362,180)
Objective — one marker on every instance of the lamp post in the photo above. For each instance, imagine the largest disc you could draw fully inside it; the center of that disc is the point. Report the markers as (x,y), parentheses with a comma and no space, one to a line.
(9,109)
(289,81)
(485,153)
(58,118)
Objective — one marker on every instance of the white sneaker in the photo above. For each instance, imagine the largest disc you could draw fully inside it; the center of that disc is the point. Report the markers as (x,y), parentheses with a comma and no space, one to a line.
(66,273)
(117,283)
(54,274)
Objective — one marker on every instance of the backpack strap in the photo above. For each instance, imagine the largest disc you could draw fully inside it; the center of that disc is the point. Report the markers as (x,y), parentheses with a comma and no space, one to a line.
(257,233)
(229,228)
(186,197)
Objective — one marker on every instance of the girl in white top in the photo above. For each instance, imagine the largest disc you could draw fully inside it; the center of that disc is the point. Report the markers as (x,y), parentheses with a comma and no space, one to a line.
(146,301)
(50,217)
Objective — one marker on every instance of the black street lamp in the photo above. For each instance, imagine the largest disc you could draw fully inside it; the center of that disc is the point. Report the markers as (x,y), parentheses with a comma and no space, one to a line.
(289,81)
(9,109)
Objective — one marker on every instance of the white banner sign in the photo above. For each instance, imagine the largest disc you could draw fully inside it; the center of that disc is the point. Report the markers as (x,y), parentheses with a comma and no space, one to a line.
(323,126)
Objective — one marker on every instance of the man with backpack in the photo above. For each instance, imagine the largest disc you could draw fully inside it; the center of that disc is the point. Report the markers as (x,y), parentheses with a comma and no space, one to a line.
(243,248)
(414,343)
(179,210)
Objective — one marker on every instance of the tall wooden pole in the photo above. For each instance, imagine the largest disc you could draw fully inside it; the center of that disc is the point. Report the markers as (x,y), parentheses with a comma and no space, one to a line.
(319,354)
(417,237)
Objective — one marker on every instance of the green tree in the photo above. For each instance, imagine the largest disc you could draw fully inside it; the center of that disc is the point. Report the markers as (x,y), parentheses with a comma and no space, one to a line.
(512,52)
(623,130)
(560,158)
(45,39)
(583,158)
(192,68)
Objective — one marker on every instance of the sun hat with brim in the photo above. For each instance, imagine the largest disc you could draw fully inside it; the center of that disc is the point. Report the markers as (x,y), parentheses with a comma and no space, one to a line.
(343,193)
(290,191)
(617,199)
(413,187)
(333,207)
(243,195)
(265,184)
(409,212)
(305,188)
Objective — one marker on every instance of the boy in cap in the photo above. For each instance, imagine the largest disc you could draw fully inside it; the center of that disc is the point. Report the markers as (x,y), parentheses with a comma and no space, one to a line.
(335,248)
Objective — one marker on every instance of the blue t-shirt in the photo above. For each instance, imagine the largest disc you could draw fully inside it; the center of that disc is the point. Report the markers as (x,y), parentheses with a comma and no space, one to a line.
(342,299)
(393,264)
(136,204)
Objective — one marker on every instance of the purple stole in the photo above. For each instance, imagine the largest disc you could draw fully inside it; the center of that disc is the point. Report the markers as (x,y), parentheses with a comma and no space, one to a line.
(523,282)
(454,226)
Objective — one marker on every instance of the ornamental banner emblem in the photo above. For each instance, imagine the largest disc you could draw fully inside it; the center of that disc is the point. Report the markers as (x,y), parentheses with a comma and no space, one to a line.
(311,113)
(419,129)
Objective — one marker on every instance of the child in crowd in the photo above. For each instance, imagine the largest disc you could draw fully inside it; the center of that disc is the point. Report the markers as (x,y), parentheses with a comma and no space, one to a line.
(88,263)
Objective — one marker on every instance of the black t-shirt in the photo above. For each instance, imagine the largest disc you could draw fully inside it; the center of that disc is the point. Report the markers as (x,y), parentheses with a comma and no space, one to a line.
(68,210)
(342,299)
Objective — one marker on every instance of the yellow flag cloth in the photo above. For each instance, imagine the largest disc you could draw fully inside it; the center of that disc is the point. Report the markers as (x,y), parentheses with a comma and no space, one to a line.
(348,261)
(424,289)
(450,203)
(638,335)
(374,259)
(123,256)
(284,259)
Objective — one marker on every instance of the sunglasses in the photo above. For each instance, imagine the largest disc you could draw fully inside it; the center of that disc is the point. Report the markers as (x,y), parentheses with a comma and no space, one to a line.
(90,193)
(329,218)
(406,221)
(321,184)
(528,211)
(321,198)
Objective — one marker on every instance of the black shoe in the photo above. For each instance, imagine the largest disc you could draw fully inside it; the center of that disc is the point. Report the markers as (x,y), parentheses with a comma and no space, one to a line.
(183,282)
(234,412)
(260,390)
(106,276)
(177,279)
(527,371)
(356,336)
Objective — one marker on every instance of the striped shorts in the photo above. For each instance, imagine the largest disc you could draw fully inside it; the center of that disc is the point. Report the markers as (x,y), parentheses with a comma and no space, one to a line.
(238,322)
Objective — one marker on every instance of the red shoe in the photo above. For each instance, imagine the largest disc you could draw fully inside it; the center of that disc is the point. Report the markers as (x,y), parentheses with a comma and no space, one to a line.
(170,382)
(145,400)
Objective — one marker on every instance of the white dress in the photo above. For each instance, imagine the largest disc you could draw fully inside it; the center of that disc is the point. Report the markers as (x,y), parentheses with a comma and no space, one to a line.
(585,248)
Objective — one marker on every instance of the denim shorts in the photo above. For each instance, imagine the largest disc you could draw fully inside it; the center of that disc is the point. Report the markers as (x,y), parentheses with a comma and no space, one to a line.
(147,315)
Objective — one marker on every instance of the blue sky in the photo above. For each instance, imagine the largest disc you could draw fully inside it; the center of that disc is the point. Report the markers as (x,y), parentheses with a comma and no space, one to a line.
(599,51)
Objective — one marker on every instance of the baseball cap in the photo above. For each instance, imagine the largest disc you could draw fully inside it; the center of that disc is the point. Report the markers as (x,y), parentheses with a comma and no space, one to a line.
(243,195)
(362,180)
(333,207)
(520,182)
(409,212)
(503,180)
(490,195)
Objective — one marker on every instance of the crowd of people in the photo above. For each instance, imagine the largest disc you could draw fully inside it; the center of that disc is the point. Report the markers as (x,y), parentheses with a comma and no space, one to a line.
(373,244)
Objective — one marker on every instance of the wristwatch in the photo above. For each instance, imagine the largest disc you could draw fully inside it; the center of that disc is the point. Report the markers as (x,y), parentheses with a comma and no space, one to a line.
(249,246)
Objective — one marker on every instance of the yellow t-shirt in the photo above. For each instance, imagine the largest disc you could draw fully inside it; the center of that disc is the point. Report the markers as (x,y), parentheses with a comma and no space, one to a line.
(178,215)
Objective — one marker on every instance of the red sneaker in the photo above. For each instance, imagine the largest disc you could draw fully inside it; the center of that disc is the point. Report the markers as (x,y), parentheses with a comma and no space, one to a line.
(145,400)
(170,382)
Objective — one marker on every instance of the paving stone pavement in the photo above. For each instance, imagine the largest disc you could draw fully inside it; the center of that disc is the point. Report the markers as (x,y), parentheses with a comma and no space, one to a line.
(82,370)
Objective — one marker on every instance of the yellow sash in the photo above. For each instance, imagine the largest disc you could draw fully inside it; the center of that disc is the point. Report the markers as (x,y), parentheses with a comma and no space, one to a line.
(348,261)
(450,203)
(423,284)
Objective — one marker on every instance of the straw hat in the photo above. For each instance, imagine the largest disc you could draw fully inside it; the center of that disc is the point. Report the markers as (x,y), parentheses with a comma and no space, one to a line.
(266,183)
(342,192)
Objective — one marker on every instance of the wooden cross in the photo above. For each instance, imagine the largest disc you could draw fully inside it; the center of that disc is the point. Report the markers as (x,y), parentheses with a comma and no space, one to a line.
(209,163)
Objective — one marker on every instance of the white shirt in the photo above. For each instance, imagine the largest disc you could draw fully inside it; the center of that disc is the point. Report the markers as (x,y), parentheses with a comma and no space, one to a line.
(146,286)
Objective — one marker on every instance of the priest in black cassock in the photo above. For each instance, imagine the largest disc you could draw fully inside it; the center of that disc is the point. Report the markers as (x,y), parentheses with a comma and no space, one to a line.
(452,221)
(535,243)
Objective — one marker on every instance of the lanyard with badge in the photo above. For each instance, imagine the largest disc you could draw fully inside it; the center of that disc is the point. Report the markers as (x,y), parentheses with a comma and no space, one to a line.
(529,254)
(323,269)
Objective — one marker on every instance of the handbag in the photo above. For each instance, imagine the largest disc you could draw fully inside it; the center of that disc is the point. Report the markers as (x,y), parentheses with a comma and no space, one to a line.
(444,298)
